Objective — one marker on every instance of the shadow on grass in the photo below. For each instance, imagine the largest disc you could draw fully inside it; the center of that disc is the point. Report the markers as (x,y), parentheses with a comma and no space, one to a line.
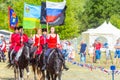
(7,79)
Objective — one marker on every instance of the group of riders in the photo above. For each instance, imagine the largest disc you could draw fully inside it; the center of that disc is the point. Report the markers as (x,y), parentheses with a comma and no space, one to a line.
(40,41)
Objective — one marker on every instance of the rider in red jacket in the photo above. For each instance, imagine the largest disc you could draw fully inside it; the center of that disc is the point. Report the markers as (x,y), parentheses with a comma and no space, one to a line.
(53,41)
(21,41)
(38,42)
(12,44)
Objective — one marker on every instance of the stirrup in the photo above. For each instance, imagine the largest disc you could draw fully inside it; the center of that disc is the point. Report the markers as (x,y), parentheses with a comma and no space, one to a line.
(66,68)
(44,67)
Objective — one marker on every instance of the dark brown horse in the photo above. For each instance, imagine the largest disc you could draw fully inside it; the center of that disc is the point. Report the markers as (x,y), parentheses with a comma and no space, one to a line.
(22,64)
(54,65)
(37,64)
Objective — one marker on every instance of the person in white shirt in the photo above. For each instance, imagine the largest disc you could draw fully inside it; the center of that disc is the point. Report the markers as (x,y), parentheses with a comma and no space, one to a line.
(91,53)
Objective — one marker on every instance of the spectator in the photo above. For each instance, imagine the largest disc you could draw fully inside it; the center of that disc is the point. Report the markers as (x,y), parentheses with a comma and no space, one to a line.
(108,54)
(69,51)
(2,47)
(97,47)
(83,51)
(117,52)
(91,53)
(64,49)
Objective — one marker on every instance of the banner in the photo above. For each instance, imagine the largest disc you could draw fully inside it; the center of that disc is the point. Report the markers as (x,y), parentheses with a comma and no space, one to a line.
(31,18)
(43,13)
(13,19)
(54,13)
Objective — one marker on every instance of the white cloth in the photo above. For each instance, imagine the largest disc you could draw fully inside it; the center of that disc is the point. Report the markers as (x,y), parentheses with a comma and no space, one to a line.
(91,50)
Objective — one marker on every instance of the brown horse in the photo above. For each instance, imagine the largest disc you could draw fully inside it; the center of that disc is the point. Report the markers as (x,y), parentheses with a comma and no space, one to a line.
(54,65)
(37,64)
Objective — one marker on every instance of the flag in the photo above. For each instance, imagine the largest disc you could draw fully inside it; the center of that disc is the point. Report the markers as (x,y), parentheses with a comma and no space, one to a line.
(43,13)
(54,13)
(13,19)
(31,16)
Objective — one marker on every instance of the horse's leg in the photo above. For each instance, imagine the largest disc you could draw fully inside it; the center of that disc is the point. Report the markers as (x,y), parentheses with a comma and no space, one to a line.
(15,73)
(43,75)
(52,76)
(59,76)
(0,57)
(34,70)
(21,74)
(18,73)
(55,77)
(48,75)
(27,69)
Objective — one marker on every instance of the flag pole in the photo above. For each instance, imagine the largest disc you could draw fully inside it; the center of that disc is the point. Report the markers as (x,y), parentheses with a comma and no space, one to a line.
(47,28)
(9,17)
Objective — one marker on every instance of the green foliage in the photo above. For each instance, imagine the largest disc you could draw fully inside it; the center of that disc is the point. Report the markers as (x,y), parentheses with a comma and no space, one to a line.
(69,30)
(80,14)
(97,11)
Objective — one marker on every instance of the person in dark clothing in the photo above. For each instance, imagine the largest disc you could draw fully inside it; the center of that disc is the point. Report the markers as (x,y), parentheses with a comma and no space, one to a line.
(82,51)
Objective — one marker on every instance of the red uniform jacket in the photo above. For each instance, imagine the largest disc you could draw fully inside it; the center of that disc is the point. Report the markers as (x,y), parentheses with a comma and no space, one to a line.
(12,40)
(19,40)
(38,42)
(52,42)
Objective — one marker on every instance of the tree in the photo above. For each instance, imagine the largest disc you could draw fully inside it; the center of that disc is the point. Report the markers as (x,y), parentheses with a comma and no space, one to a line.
(97,11)
(69,30)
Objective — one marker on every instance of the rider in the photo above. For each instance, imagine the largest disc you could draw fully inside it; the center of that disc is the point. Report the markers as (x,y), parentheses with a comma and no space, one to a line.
(12,44)
(22,40)
(53,42)
(38,43)
(44,34)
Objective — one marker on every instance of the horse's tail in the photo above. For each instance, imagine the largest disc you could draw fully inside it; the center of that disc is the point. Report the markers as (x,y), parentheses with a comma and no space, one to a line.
(10,65)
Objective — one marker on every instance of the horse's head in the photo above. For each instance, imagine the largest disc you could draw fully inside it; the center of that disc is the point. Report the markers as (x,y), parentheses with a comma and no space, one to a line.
(57,63)
(25,52)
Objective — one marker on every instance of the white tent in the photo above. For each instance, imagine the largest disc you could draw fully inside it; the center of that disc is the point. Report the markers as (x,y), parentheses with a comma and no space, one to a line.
(106,31)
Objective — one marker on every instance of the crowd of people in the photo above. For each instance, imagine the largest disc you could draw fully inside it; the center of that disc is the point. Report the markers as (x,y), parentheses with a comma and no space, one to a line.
(94,52)
(42,40)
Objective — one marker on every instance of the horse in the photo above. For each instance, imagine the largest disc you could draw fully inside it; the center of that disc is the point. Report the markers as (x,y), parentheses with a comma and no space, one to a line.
(37,64)
(54,65)
(22,64)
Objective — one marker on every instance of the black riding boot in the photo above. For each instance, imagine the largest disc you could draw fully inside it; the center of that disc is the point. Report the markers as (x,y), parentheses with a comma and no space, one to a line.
(9,56)
(44,62)
(64,65)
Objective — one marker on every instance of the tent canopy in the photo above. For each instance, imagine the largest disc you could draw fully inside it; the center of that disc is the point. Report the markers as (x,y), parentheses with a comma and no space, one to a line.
(106,30)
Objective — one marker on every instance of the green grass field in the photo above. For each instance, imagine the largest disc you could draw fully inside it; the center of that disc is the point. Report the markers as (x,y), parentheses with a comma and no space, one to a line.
(75,72)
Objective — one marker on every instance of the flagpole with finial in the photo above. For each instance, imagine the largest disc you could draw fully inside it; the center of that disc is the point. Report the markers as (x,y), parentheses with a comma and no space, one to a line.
(9,17)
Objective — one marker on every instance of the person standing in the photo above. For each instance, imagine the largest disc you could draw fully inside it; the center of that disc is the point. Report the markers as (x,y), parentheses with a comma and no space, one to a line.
(2,47)
(97,46)
(64,49)
(83,52)
(117,51)
(91,53)
(108,54)
(70,51)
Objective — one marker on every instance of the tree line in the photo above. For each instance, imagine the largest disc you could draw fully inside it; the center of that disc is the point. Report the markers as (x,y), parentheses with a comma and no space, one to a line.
(80,15)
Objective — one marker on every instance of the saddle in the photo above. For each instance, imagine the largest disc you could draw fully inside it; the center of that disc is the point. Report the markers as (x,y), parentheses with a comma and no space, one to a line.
(51,52)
